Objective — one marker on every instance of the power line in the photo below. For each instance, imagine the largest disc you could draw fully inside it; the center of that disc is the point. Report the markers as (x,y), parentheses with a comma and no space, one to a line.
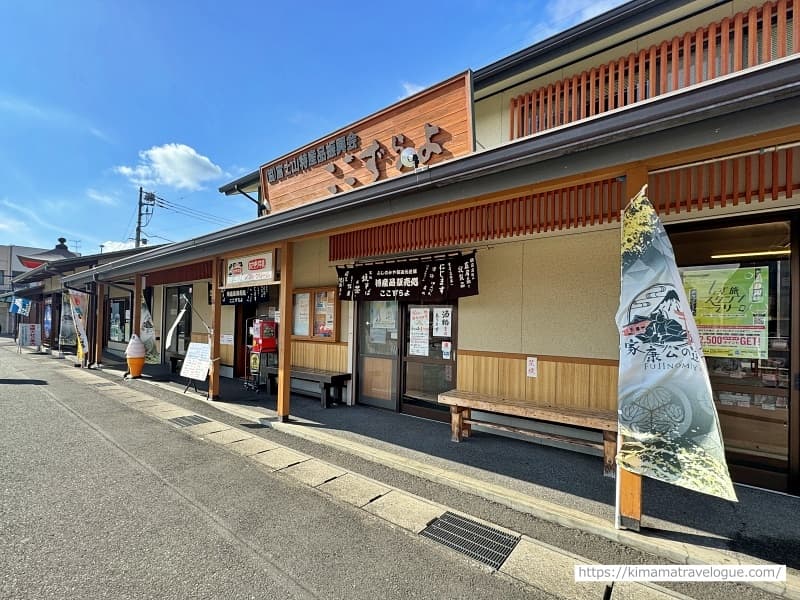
(191,212)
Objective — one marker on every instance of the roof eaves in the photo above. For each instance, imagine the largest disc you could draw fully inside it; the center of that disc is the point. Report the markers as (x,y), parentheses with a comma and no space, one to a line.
(603,26)
(243,182)
(756,87)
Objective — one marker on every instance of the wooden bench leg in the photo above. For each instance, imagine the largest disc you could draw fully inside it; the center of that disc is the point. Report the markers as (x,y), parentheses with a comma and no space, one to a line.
(609,453)
(337,393)
(466,428)
(323,394)
(456,423)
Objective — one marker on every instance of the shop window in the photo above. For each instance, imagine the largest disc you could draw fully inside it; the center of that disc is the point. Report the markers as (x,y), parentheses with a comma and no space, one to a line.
(315,314)
(738,283)
(119,322)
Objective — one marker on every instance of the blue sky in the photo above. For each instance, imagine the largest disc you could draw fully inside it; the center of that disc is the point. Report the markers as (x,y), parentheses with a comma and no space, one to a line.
(98,97)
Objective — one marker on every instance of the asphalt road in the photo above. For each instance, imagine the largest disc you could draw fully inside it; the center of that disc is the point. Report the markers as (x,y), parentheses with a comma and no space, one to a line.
(100,501)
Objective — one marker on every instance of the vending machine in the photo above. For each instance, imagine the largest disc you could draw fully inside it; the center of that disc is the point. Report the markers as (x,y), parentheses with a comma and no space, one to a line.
(263,352)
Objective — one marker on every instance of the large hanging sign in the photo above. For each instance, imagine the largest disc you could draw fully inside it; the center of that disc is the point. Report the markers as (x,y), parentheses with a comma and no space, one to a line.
(730,306)
(246,270)
(431,127)
(668,424)
(412,280)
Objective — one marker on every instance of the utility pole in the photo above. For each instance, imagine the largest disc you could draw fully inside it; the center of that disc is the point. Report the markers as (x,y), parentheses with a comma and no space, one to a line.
(139,220)
(145,199)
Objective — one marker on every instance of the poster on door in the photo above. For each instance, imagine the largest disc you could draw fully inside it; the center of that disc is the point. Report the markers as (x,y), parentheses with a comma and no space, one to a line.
(419,332)
(442,322)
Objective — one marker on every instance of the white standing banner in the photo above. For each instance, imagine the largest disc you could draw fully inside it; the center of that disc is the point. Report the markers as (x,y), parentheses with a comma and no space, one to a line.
(668,425)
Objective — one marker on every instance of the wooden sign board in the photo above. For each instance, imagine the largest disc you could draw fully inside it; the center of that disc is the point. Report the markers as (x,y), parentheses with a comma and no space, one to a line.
(197,361)
(436,123)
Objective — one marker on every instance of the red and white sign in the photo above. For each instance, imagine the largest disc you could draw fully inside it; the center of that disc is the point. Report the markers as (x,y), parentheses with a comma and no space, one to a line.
(247,270)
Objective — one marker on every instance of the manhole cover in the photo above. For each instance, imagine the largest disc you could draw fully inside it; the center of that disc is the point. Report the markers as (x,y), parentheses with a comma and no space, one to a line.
(188,420)
(481,542)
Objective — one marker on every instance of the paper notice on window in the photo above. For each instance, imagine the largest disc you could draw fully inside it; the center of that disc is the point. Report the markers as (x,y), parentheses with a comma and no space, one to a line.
(419,334)
(442,322)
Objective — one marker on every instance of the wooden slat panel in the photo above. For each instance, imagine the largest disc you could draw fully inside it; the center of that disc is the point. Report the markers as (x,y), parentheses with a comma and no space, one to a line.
(485,374)
(738,36)
(766,33)
(724,49)
(318,355)
(511,378)
(602,387)
(796,25)
(752,37)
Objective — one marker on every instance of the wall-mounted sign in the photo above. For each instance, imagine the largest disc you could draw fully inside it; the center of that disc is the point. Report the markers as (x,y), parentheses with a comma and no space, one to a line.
(413,280)
(432,126)
(532,366)
(252,294)
(247,270)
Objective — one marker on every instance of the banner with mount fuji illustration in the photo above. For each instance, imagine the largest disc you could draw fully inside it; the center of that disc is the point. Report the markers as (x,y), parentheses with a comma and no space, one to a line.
(668,424)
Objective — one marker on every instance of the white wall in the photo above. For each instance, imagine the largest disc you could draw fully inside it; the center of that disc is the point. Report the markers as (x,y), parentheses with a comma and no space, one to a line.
(553,296)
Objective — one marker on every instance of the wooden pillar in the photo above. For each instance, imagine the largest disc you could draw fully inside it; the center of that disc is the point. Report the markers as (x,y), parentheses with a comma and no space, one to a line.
(136,309)
(285,331)
(100,323)
(629,485)
(216,320)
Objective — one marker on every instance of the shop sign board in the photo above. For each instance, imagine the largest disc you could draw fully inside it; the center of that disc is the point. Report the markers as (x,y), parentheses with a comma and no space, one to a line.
(252,294)
(413,280)
(196,362)
(434,125)
(730,306)
(30,334)
(243,271)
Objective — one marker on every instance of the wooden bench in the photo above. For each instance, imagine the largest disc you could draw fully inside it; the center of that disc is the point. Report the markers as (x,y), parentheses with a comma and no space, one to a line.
(461,421)
(326,379)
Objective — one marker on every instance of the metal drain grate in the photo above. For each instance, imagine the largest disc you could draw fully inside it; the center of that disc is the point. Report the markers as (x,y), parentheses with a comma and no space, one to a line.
(188,420)
(481,542)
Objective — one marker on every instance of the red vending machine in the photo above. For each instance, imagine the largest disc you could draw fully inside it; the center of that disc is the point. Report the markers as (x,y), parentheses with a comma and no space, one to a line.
(263,351)
(265,335)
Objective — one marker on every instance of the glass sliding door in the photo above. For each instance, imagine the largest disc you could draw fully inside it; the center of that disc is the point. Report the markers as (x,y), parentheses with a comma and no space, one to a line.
(429,358)
(182,335)
(378,343)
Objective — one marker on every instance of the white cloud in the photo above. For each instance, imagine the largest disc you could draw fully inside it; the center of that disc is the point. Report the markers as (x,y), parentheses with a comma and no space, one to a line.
(49,114)
(558,16)
(175,165)
(33,217)
(100,197)
(409,89)
(110,246)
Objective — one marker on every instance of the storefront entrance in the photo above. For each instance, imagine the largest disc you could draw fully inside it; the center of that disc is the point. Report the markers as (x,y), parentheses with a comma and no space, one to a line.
(406,355)
(740,284)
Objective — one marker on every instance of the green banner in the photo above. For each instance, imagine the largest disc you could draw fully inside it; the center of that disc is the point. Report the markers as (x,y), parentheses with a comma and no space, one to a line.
(730,306)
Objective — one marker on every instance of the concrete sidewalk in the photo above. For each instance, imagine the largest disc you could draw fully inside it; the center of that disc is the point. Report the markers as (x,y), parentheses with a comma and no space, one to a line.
(554,485)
